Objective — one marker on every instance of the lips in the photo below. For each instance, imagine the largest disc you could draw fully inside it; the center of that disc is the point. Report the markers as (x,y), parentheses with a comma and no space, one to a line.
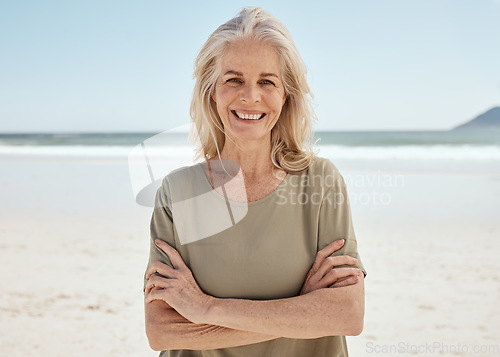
(249,115)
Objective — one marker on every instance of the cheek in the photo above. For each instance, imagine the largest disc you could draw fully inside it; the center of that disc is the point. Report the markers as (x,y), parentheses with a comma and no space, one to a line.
(225,94)
(221,100)
(277,101)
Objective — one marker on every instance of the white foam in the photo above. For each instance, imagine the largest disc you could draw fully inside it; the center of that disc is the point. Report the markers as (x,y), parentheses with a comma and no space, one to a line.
(415,152)
(405,152)
(85,151)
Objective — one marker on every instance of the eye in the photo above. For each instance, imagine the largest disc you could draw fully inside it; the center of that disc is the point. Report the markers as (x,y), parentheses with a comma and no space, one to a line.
(234,80)
(267,81)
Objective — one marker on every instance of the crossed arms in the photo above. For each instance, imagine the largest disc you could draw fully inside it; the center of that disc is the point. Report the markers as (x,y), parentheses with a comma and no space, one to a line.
(181,316)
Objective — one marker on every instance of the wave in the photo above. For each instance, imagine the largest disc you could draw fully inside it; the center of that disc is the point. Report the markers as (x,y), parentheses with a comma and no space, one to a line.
(403,152)
(415,152)
(87,151)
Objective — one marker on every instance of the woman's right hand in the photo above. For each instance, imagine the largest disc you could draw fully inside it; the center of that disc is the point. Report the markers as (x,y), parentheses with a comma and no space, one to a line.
(323,273)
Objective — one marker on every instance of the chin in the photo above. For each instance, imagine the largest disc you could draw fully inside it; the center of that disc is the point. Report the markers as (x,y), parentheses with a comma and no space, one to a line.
(247,136)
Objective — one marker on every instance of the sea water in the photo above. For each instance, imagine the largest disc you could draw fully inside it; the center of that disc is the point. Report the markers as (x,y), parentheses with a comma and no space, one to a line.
(470,145)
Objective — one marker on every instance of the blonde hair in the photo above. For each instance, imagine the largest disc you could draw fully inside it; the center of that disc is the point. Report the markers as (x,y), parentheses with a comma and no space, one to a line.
(291,137)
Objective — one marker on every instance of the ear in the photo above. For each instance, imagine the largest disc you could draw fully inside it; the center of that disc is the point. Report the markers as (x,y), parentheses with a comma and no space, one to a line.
(213,95)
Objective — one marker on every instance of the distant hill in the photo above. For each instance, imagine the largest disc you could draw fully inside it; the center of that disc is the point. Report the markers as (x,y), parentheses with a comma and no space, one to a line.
(487,120)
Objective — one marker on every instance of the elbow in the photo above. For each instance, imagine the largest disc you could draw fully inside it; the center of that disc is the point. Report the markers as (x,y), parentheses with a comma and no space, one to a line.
(153,338)
(355,320)
(351,326)
(159,342)
(355,329)
(162,331)
(349,318)
(160,339)
(154,345)
(349,323)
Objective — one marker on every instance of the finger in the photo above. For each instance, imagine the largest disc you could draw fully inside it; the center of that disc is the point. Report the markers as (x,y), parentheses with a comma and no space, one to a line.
(157,282)
(338,273)
(172,253)
(160,268)
(331,262)
(332,247)
(155,294)
(323,283)
(326,252)
(154,286)
(350,280)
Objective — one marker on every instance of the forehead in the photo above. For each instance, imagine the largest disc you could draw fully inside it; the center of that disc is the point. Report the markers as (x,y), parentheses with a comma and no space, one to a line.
(250,57)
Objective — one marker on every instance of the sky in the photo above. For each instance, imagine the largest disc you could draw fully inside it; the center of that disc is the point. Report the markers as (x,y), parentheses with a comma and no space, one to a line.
(126,66)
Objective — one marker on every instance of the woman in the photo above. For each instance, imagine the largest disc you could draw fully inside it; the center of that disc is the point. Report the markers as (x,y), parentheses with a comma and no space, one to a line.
(253,251)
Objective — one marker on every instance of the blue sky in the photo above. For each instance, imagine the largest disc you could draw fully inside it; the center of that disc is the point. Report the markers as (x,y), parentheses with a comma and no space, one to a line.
(121,66)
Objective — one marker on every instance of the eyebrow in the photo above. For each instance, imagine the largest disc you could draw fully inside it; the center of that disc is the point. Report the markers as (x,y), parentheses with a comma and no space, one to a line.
(268,75)
(236,73)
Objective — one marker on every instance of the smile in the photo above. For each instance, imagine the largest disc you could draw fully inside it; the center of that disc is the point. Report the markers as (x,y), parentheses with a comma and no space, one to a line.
(249,116)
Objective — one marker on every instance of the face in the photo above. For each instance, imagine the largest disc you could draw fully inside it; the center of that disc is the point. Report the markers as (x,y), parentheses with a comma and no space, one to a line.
(249,92)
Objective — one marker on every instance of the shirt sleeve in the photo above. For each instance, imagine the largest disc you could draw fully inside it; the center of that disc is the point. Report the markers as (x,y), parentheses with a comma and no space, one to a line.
(335,222)
(161,227)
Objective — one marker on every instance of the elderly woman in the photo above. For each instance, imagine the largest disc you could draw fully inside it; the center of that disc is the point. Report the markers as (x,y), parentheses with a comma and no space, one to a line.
(253,251)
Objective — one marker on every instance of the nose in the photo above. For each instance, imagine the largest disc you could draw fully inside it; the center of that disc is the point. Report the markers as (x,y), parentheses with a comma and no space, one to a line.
(250,93)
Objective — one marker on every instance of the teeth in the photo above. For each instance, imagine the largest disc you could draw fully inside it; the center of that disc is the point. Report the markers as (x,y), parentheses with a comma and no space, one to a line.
(249,116)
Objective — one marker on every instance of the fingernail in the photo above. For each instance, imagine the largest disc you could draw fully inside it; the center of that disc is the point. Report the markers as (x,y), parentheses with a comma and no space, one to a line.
(157,241)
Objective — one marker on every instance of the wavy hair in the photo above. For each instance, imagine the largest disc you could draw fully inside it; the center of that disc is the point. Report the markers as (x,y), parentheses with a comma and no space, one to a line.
(291,137)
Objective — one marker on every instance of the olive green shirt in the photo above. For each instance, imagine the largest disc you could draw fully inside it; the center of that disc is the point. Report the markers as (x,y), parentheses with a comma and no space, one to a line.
(257,250)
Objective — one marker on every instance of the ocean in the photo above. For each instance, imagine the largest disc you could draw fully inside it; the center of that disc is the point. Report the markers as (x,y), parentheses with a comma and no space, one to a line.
(472,145)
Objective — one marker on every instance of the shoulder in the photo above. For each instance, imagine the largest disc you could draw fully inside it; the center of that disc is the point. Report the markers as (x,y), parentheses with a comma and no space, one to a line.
(185,174)
(324,176)
(178,185)
(326,169)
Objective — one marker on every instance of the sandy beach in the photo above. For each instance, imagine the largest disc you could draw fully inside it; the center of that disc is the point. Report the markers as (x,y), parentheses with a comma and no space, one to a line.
(74,246)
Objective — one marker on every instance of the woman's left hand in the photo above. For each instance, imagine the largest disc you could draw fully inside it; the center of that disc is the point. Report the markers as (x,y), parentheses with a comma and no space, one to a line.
(177,286)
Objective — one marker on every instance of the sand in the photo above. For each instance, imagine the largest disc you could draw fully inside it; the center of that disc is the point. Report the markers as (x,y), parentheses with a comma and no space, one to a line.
(74,245)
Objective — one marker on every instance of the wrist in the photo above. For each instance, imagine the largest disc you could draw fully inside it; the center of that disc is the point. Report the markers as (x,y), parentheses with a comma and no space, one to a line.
(206,309)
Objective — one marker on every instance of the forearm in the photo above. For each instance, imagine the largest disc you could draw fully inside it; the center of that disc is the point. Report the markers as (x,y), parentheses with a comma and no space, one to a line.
(324,312)
(168,330)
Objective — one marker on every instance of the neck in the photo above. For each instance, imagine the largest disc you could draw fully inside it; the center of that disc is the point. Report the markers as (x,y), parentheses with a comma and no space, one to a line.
(253,156)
